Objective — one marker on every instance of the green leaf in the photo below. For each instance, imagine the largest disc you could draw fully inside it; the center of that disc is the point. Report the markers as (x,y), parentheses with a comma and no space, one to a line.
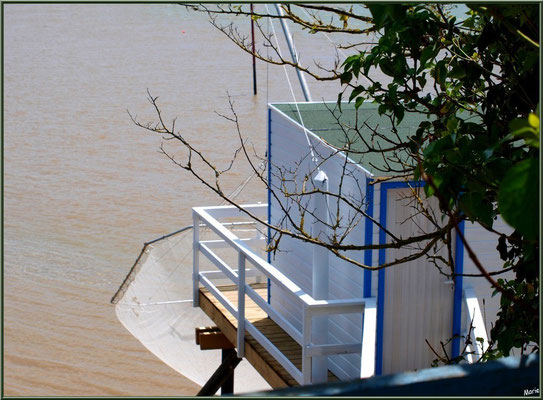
(387,67)
(440,72)
(429,189)
(359,102)
(518,197)
(457,72)
(350,60)
(368,62)
(356,91)
(476,208)
(339,96)
(519,125)
(423,126)
(427,54)
(400,65)
(527,129)
(346,77)
(399,112)
(533,120)
(437,147)
(356,67)
(452,124)
(383,13)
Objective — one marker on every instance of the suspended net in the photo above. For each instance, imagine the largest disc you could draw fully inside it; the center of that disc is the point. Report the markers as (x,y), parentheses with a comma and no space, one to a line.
(154,303)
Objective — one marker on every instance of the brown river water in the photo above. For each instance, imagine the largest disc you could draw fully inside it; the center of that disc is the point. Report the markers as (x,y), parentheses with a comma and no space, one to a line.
(84,187)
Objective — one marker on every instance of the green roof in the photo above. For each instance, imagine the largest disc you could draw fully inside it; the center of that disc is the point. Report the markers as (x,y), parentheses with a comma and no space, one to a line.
(322,119)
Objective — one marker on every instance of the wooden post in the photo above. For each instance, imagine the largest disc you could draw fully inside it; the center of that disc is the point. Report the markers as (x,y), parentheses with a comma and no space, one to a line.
(223,375)
(211,338)
(228,385)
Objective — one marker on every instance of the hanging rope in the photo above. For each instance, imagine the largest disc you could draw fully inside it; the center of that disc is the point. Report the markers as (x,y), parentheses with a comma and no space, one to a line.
(267,64)
(311,148)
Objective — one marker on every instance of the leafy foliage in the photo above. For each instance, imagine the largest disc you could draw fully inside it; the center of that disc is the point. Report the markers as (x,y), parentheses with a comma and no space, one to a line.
(477,80)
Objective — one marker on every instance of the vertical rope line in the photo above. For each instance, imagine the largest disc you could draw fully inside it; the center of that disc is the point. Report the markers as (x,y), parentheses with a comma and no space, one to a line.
(267,64)
(313,157)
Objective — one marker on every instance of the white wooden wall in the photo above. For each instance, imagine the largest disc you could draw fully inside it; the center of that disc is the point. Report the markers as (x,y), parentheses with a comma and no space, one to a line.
(484,245)
(289,148)
(418,300)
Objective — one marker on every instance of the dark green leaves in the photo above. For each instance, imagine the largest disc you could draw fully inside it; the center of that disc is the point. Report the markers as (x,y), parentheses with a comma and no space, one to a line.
(339,97)
(387,67)
(457,72)
(478,83)
(356,91)
(518,198)
(346,77)
(477,208)
(384,14)
(359,102)
(440,72)
(428,54)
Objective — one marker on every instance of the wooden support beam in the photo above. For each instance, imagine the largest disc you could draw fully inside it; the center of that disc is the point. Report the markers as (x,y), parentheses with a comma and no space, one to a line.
(211,338)
(228,386)
(223,376)
(202,329)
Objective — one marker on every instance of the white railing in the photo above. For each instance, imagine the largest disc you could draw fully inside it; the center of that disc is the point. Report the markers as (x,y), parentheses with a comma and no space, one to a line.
(478,336)
(208,216)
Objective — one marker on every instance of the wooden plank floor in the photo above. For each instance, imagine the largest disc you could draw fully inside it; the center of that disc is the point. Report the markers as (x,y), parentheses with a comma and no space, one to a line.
(261,360)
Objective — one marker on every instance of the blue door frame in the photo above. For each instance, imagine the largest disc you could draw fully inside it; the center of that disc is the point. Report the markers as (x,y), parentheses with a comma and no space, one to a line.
(381,275)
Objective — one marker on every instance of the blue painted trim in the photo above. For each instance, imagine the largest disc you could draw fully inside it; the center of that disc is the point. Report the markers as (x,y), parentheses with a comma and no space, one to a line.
(458,283)
(269,196)
(381,284)
(368,240)
(385,186)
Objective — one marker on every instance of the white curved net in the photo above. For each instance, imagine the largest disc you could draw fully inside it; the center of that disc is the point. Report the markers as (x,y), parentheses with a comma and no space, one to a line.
(154,304)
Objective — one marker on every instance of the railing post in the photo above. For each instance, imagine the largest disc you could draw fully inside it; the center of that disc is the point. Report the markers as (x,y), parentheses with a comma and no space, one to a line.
(241,305)
(306,359)
(195,260)
(369,328)
(320,275)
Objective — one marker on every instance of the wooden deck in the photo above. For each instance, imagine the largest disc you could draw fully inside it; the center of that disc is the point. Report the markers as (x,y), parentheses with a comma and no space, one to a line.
(261,360)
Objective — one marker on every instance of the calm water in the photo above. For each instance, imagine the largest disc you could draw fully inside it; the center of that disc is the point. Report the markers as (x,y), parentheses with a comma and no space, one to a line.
(84,187)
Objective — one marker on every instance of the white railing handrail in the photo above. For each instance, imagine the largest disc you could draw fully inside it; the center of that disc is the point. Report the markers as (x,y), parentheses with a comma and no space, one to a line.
(311,307)
(273,273)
